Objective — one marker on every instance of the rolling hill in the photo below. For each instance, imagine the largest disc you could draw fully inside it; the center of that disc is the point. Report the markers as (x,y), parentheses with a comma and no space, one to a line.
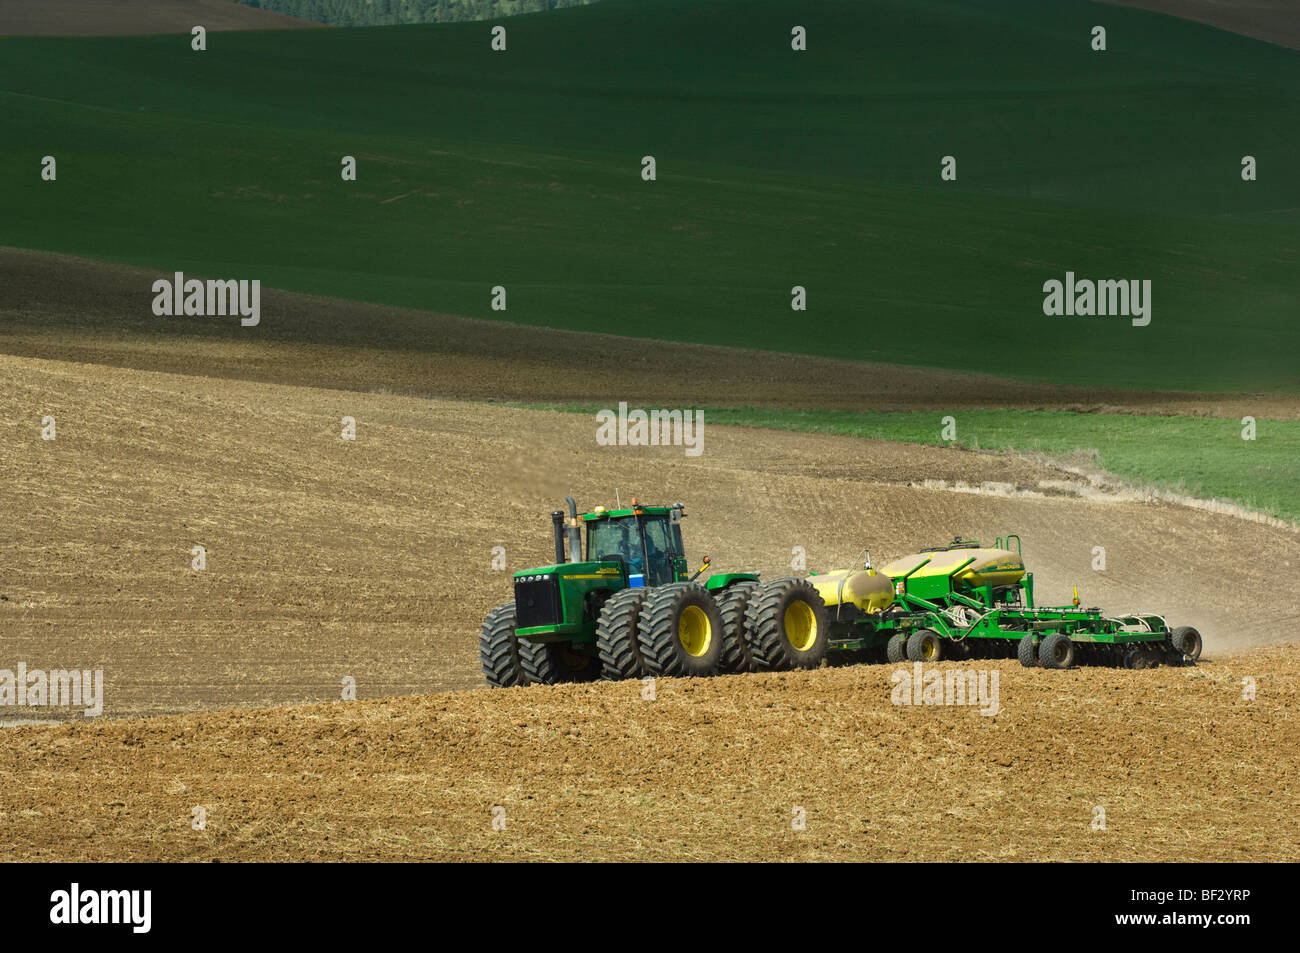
(775,169)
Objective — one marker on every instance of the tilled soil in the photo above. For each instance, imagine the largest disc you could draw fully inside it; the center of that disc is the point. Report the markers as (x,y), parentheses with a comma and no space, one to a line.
(372,559)
(1174,762)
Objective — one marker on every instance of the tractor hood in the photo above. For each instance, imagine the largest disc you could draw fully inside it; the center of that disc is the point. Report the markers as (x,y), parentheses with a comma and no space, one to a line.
(592,570)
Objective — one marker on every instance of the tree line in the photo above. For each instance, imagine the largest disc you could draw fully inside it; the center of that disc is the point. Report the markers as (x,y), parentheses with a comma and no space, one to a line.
(386,12)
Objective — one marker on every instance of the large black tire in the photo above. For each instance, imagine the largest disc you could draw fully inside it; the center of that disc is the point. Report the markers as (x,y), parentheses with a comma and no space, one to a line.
(616,635)
(1186,642)
(896,649)
(924,645)
(732,603)
(1027,652)
(680,630)
(498,649)
(1056,651)
(546,663)
(786,622)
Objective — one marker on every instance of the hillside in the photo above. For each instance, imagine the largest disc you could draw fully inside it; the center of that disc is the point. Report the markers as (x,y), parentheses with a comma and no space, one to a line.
(327,558)
(819,169)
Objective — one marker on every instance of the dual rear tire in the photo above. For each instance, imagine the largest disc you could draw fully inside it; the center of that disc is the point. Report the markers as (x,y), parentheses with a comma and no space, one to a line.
(785,625)
(732,605)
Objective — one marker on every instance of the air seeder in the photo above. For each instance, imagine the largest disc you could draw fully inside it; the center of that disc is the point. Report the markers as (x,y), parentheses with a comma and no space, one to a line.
(965,601)
(631,609)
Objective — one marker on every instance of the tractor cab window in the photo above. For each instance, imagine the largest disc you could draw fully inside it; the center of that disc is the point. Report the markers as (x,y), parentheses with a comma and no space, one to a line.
(622,539)
(615,539)
(660,550)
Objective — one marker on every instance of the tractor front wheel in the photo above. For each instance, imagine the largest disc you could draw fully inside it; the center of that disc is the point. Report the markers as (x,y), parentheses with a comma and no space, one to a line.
(498,649)
(547,663)
(786,623)
(616,635)
(680,630)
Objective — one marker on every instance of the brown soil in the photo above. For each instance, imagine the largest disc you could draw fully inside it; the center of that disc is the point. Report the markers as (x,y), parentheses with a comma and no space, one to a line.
(136,17)
(1184,768)
(1275,21)
(371,559)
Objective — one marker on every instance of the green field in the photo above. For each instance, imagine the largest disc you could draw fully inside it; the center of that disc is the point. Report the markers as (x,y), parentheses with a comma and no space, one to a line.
(1203,457)
(775,168)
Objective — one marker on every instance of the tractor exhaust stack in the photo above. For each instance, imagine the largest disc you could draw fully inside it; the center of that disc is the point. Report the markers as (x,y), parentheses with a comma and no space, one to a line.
(557,521)
(575,534)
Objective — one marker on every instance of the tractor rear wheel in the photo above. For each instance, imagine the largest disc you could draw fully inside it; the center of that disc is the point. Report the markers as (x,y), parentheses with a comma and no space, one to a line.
(546,663)
(616,638)
(896,649)
(736,655)
(680,630)
(1056,651)
(786,622)
(1186,642)
(924,645)
(498,649)
(1027,652)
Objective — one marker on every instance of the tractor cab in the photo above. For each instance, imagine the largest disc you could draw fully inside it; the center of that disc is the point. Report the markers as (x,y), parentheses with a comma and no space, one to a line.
(647,540)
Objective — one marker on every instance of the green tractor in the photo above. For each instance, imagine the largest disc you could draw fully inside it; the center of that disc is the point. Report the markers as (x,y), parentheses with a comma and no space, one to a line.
(632,609)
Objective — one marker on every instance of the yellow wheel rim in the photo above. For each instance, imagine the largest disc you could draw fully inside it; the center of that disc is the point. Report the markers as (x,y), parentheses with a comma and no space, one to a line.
(800,625)
(929,648)
(694,631)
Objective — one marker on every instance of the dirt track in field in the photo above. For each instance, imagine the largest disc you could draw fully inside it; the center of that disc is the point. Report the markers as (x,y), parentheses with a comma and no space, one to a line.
(136,17)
